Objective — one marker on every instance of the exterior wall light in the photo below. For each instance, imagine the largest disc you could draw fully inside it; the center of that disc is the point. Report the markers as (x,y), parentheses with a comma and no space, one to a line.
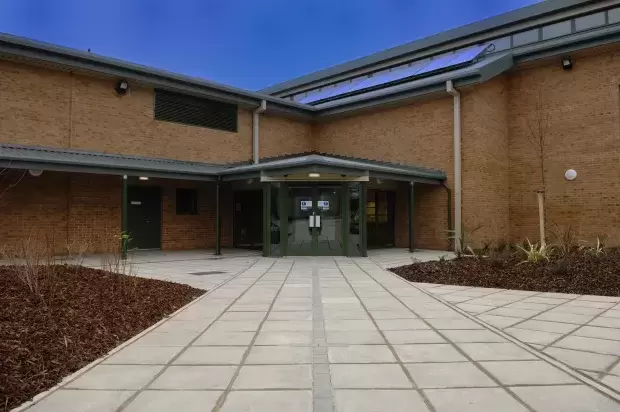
(314,174)
(567,63)
(143,178)
(35,172)
(570,174)
(122,87)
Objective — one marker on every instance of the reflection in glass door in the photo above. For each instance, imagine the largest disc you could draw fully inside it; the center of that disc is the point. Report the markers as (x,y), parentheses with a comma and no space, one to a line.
(329,221)
(301,212)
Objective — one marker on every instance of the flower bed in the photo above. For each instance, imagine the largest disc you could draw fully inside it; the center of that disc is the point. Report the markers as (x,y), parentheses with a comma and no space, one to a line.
(74,316)
(576,272)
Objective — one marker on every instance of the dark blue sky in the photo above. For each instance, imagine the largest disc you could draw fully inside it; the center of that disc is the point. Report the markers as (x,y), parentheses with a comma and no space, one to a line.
(249,44)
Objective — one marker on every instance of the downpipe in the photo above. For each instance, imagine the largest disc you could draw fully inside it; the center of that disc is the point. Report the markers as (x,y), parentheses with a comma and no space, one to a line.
(255,129)
(458,226)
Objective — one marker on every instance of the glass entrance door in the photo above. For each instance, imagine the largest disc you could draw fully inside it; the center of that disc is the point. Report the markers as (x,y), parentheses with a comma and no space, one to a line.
(315,221)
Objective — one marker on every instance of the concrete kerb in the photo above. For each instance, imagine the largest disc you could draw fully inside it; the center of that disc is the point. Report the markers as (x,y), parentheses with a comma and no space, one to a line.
(39,397)
(600,387)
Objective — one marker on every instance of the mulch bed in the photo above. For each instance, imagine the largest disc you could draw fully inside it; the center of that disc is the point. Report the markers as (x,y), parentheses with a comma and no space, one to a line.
(575,273)
(79,316)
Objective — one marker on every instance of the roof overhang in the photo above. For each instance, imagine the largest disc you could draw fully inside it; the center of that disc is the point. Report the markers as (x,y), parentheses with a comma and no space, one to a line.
(342,169)
(78,161)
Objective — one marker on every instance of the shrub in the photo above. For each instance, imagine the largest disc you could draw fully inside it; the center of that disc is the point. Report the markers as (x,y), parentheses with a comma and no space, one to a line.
(535,253)
(565,239)
(596,250)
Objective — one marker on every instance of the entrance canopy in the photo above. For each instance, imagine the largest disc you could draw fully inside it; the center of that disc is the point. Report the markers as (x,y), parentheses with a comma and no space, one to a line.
(306,166)
(324,167)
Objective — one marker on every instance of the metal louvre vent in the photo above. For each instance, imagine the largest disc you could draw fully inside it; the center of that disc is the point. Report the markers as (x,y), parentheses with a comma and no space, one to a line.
(195,111)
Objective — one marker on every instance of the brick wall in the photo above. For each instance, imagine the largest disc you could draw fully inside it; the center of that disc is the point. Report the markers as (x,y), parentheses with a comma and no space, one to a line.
(583,128)
(84,209)
(281,136)
(39,106)
(484,151)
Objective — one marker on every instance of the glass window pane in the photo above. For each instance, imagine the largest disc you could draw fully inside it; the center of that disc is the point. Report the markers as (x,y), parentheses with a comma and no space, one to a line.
(590,21)
(556,30)
(502,43)
(614,15)
(525,37)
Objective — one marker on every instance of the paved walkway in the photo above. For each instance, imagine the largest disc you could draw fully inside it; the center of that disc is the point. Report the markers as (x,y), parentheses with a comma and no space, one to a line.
(579,330)
(326,334)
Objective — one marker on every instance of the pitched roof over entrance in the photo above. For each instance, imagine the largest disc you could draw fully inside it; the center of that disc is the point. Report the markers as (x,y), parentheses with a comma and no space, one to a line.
(65,160)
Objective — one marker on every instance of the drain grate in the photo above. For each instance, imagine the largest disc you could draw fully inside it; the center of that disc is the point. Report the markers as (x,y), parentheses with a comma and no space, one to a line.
(211,272)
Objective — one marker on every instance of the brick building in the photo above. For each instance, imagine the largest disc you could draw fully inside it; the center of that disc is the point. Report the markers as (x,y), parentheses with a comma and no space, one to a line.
(356,156)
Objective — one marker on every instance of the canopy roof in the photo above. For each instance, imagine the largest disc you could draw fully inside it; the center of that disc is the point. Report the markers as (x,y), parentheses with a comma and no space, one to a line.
(55,159)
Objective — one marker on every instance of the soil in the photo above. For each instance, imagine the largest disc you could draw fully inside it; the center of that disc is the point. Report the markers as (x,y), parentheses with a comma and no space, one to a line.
(574,273)
(78,315)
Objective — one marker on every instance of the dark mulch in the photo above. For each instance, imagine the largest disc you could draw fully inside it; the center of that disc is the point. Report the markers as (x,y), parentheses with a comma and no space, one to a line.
(576,273)
(79,316)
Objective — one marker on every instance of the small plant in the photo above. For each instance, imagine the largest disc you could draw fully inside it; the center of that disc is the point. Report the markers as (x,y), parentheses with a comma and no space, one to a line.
(466,234)
(565,239)
(596,251)
(535,253)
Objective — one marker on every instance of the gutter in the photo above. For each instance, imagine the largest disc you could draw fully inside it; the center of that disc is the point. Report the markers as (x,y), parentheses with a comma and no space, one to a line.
(458,226)
(255,129)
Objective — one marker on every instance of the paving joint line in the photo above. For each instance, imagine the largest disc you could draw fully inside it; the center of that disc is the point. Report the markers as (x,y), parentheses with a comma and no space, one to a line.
(449,341)
(169,363)
(220,401)
(319,341)
(589,381)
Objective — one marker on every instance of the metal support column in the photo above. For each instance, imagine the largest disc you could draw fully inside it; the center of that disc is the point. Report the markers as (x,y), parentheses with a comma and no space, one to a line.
(362,220)
(411,215)
(346,217)
(124,230)
(218,250)
(267,219)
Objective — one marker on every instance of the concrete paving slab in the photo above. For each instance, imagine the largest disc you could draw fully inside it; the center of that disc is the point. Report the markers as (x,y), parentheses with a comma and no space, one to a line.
(270,355)
(375,400)
(495,351)
(119,377)
(268,401)
(67,400)
(211,355)
(473,400)
(428,353)
(368,376)
(274,377)
(527,373)
(570,398)
(194,377)
(165,401)
(360,354)
(448,375)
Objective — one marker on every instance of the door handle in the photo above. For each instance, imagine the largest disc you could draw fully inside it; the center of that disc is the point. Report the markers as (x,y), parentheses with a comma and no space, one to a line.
(311,221)
(317,221)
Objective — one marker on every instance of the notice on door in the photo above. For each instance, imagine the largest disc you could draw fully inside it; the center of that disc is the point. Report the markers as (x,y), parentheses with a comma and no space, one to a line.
(323,204)
(306,205)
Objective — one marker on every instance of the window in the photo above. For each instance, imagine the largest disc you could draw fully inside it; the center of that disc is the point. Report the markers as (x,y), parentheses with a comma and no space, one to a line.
(187,202)
(195,111)
(556,30)
(525,37)
(590,21)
